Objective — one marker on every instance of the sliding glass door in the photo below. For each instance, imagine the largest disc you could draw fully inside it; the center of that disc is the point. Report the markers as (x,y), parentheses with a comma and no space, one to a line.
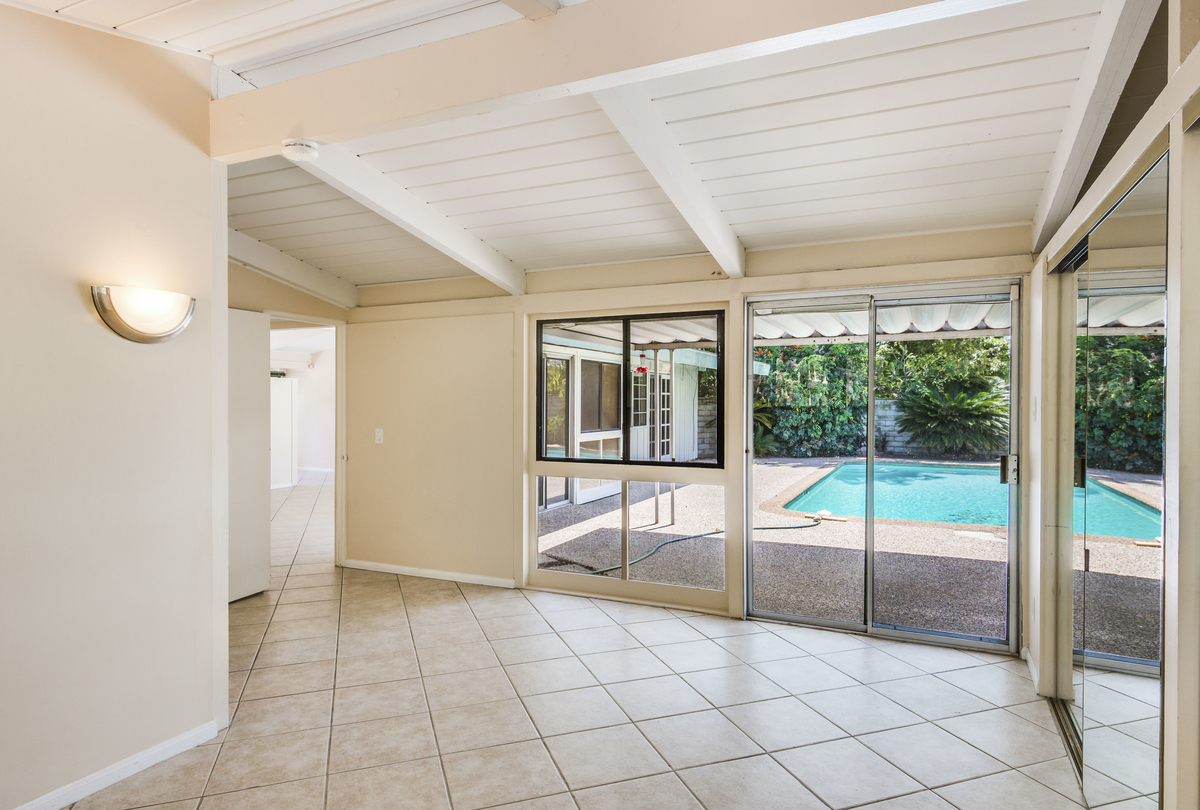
(883,482)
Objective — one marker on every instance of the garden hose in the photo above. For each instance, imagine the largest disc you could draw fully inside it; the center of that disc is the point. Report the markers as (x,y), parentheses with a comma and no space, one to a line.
(693,537)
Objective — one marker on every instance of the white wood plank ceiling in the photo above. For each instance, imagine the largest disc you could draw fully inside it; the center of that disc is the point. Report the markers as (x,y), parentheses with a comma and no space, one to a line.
(953,124)
(275,202)
(267,41)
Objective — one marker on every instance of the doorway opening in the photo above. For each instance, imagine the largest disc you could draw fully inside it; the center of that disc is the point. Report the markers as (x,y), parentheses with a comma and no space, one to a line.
(885,419)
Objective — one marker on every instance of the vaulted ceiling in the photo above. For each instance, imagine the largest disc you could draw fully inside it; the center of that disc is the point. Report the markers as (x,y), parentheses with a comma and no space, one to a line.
(982,119)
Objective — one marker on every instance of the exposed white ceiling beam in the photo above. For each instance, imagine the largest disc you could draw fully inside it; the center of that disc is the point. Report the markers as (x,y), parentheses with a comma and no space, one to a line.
(591,46)
(357,179)
(632,112)
(1118,39)
(276,264)
(533,9)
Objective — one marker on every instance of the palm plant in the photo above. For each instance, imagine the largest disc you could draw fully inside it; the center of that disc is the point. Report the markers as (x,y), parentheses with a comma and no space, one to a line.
(955,419)
(764,443)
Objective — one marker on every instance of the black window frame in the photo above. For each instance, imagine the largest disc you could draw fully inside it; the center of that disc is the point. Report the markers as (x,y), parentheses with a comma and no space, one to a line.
(626,389)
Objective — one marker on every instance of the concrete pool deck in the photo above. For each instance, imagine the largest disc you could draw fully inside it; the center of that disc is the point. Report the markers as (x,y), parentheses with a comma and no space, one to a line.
(949,577)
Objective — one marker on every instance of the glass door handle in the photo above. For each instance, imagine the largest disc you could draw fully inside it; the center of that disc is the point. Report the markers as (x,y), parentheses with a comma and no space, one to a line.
(1081,471)
(1008,469)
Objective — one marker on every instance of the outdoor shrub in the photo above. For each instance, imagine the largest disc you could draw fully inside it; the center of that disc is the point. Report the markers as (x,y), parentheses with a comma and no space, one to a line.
(1119,402)
(955,419)
(818,397)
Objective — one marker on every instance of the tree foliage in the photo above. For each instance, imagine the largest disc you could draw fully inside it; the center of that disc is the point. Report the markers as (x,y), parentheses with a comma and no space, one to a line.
(972,363)
(818,395)
(954,418)
(1119,390)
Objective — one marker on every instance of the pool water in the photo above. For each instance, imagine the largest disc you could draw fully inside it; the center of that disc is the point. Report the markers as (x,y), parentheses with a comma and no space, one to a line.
(949,493)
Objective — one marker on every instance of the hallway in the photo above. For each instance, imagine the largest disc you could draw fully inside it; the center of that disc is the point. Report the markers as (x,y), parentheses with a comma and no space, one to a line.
(357,689)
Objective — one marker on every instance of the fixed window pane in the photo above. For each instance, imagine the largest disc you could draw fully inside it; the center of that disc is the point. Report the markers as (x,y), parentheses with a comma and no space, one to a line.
(557,406)
(582,538)
(677,534)
(674,365)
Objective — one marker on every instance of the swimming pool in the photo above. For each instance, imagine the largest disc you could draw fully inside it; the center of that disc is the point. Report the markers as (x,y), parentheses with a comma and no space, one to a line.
(952,493)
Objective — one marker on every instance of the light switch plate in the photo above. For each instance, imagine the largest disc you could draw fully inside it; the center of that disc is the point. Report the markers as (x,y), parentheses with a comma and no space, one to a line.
(378,435)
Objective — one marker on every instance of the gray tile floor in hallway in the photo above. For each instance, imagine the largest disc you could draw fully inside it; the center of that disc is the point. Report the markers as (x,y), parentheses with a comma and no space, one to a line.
(362,690)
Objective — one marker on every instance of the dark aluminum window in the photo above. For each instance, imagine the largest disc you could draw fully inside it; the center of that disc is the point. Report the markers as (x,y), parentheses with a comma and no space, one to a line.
(631,389)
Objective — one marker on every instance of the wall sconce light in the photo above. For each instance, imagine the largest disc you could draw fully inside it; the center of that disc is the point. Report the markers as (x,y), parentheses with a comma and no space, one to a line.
(143,316)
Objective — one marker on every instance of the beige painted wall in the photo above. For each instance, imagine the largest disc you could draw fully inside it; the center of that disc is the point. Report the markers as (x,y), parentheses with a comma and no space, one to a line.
(255,292)
(106,565)
(437,495)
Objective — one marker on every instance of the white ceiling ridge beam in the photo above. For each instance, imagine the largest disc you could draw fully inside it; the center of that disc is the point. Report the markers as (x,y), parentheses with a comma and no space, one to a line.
(533,9)
(262,258)
(632,112)
(357,179)
(532,63)
(1117,41)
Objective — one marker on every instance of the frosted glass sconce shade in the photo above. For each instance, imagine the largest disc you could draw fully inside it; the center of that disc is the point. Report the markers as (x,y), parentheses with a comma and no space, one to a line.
(143,316)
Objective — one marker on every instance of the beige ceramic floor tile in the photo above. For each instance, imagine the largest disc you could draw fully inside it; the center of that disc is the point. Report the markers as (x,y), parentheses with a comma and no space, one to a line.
(514,626)
(307,794)
(625,665)
(445,635)
(306,610)
(845,773)
(298,580)
(721,627)
(1008,738)
(524,649)
(1004,790)
(576,710)
(782,723)
(860,710)
(925,800)
(245,634)
(495,608)
(310,595)
(757,783)
(931,697)
(732,685)
(356,704)
(292,679)
(818,642)
(565,620)
(468,688)
(414,785)
(667,631)
(237,682)
(551,602)
(242,658)
(250,615)
(555,675)
(456,658)
(629,613)
(664,792)
(931,755)
(302,628)
(269,760)
(601,756)
(599,640)
(482,726)
(181,777)
(381,742)
(365,669)
(802,676)
(755,648)
(277,715)
(352,645)
(931,659)
(692,656)
(871,665)
(500,775)
(657,697)
(701,738)
(281,653)
(992,683)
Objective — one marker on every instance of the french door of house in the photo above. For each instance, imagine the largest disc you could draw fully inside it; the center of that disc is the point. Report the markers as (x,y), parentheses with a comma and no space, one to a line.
(883,484)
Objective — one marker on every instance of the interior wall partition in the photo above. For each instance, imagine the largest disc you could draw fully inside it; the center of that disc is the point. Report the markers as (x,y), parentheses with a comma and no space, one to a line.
(884,482)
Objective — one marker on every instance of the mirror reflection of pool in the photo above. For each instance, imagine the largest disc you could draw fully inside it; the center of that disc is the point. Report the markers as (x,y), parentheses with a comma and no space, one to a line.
(952,493)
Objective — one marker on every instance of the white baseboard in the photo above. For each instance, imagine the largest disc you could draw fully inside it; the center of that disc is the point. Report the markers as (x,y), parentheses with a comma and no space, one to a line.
(69,794)
(316,469)
(428,573)
(1029,662)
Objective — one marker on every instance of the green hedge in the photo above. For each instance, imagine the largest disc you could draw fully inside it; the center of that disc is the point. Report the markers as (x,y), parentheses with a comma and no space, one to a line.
(1119,384)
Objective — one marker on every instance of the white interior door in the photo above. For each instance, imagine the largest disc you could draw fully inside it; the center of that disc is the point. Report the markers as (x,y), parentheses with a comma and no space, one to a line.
(285,458)
(249,453)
